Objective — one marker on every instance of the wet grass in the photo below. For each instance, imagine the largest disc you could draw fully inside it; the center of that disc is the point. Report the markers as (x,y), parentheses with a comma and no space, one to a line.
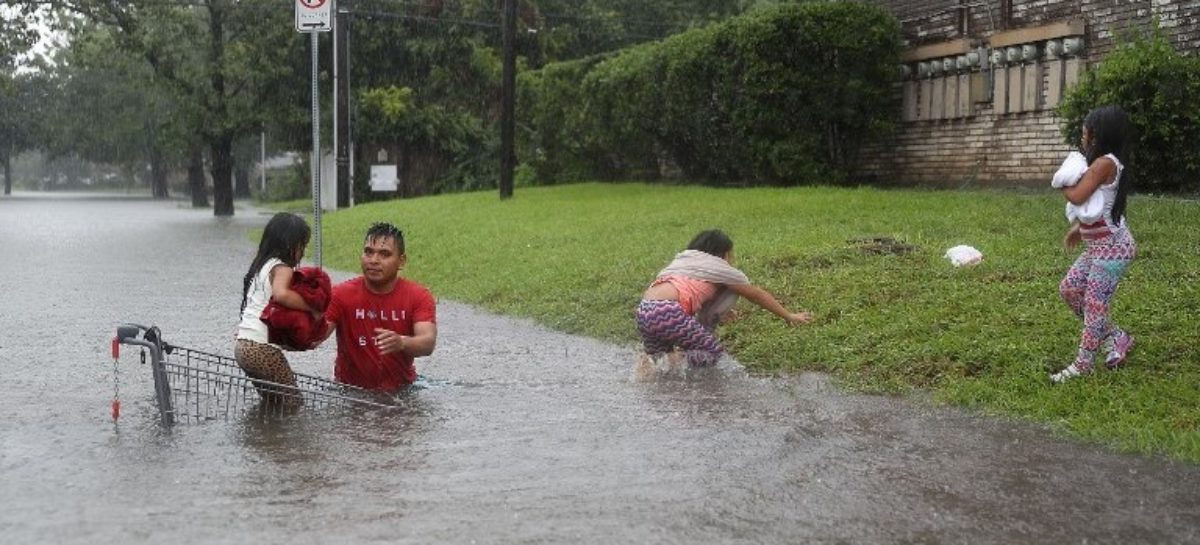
(892,314)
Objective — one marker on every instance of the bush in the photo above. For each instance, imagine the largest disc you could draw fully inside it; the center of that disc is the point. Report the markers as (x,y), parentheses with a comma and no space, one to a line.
(625,141)
(1157,87)
(552,139)
(782,95)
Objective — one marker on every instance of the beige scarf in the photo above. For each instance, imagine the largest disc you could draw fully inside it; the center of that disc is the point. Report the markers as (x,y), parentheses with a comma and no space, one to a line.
(709,268)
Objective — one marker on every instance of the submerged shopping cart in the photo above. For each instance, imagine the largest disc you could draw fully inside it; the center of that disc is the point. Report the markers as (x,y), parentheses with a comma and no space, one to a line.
(191,385)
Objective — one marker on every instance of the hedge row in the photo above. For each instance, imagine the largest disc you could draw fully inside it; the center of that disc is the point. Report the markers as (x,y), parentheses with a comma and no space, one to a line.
(782,95)
(1158,87)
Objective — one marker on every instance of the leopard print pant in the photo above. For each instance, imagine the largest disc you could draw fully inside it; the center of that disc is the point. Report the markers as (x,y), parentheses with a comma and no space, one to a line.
(266,362)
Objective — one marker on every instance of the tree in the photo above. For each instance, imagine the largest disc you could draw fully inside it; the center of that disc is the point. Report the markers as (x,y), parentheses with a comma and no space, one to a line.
(17,36)
(221,58)
(16,123)
(133,120)
(234,66)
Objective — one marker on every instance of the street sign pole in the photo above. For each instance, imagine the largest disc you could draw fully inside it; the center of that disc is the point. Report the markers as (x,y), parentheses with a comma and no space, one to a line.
(316,154)
(313,16)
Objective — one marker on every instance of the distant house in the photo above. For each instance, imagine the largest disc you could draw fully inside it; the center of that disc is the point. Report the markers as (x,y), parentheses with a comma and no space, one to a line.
(982,79)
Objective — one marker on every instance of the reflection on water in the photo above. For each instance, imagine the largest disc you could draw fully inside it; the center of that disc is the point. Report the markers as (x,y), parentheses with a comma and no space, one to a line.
(312,437)
(514,435)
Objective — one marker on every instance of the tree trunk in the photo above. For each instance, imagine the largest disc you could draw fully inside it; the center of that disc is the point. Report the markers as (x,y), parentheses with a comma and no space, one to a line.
(221,146)
(7,173)
(196,178)
(158,174)
(222,174)
(158,181)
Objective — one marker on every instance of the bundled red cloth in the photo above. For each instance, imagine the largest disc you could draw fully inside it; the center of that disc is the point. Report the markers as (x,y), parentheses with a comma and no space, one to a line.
(297,329)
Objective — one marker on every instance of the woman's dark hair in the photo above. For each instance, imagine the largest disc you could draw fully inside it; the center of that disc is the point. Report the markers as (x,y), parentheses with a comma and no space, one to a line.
(712,241)
(1111,133)
(282,236)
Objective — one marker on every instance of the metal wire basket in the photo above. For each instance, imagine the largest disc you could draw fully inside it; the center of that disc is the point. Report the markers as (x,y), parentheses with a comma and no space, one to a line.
(192,385)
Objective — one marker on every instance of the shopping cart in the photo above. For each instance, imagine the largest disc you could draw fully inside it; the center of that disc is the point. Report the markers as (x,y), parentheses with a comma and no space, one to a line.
(191,385)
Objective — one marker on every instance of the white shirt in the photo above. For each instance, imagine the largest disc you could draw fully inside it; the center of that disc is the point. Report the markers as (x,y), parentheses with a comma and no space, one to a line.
(251,328)
(1100,204)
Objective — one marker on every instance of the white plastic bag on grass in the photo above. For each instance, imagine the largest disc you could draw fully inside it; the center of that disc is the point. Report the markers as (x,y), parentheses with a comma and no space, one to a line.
(963,255)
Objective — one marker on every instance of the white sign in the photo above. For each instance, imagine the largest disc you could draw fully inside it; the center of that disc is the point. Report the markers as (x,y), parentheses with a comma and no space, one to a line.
(384,177)
(314,15)
(329,201)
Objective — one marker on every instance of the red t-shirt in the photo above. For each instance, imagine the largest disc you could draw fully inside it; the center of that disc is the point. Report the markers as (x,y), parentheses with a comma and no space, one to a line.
(357,312)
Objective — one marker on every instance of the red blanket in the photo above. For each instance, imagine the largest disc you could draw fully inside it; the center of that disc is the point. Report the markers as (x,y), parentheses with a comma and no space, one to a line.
(297,329)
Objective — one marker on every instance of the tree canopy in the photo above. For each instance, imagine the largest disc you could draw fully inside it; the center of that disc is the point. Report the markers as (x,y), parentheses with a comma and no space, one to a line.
(204,75)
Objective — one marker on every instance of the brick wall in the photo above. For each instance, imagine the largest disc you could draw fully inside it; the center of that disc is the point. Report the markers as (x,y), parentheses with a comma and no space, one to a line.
(991,149)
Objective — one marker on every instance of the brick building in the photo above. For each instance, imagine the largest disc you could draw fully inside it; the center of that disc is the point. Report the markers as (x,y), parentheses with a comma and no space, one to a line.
(982,78)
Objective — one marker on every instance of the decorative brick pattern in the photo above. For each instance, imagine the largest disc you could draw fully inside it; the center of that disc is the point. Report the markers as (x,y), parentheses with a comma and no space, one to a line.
(994,148)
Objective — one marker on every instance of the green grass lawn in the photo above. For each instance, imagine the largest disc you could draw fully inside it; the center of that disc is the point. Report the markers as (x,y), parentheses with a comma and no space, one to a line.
(576,258)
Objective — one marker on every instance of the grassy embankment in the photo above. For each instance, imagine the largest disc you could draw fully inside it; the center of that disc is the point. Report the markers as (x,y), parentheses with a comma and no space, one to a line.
(576,258)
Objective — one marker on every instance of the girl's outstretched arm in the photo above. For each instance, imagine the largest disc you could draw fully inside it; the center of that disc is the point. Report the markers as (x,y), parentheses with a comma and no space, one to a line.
(1099,173)
(764,299)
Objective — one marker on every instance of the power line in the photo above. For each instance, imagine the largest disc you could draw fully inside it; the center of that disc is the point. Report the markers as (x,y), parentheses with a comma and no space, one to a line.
(422,18)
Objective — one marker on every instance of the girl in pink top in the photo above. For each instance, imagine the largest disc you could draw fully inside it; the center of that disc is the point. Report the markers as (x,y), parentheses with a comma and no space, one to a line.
(681,308)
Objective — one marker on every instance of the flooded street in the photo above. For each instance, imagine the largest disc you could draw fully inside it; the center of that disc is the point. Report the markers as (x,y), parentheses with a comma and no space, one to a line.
(519,434)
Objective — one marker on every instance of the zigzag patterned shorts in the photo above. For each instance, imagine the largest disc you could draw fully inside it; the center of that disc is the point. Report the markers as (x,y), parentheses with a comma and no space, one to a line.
(664,326)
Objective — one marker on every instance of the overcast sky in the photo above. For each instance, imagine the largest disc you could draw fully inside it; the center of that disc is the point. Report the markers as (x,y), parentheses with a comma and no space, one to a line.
(49,40)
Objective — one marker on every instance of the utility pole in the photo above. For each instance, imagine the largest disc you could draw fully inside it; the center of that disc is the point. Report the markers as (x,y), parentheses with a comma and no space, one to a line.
(341,101)
(315,163)
(508,157)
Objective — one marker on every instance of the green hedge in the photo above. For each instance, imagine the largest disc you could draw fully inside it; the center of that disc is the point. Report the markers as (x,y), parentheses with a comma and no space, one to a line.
(549,138)
(782,95)
(1158,88)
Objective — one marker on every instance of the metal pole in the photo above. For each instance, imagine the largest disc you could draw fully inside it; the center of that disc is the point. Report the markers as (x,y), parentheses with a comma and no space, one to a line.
(508,158)
(316,154)
(349,128)
(341,106)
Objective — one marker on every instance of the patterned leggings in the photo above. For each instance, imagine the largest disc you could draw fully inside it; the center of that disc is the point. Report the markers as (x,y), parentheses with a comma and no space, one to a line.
(1089,286)
(265,362)
(664,326)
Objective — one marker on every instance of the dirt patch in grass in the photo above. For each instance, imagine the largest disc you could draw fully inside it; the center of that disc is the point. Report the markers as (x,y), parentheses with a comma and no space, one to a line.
(882,246)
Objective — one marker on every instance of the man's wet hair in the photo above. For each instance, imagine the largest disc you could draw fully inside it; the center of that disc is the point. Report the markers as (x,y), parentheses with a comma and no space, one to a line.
(386,230)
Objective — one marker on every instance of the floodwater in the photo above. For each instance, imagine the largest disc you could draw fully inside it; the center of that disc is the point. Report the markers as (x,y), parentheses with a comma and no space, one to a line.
(520,434)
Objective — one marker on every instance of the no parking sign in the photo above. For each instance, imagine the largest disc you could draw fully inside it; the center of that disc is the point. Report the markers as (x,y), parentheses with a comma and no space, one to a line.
(314,15)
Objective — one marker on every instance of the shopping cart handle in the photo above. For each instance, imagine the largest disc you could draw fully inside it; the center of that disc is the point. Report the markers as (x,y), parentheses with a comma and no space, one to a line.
(126,332)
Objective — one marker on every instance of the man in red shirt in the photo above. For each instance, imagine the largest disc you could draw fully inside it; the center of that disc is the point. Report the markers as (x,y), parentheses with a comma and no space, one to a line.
(383,321)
